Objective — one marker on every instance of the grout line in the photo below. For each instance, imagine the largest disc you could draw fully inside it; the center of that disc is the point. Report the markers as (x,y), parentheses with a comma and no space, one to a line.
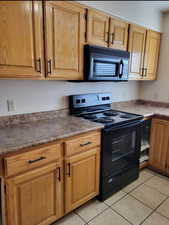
(153,211)
(117,200)
(98,214)
(161,215)
(80,217)
(121,216)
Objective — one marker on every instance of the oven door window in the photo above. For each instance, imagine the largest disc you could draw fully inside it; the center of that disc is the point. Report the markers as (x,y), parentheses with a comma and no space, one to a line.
(123,145)
(102,68)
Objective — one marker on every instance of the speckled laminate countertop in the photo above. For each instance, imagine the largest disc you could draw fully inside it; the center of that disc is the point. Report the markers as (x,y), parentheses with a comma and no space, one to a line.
(143,108)
(19,136)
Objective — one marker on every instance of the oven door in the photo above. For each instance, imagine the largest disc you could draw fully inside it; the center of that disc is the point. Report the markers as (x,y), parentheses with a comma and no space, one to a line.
(121,148)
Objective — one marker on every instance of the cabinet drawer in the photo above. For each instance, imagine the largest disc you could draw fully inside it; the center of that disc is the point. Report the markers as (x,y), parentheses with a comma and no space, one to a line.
(32,159)
(82,143)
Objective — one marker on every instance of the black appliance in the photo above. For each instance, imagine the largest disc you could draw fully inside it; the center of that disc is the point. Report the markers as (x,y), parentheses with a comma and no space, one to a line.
(104,64)
(121,140)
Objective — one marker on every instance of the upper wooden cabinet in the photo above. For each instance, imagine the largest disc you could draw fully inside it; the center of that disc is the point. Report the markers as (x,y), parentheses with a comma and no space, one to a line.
(64,33)
(97,28)
(144,50)
(118,34)
(35,197)
(21,39)
(106,31)
(159,149)
(151,55)
(137,40)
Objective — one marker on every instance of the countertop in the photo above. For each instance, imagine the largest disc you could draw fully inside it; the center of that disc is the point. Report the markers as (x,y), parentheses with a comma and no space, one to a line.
(19,136)
(144,108)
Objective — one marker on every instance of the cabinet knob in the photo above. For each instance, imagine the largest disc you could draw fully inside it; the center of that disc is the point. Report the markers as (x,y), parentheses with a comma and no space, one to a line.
(68,169)
(59,173)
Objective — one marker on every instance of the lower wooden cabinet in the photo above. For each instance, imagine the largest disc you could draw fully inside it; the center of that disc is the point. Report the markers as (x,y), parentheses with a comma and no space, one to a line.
(159,150)
(35,197)
(81,178)
(53,179)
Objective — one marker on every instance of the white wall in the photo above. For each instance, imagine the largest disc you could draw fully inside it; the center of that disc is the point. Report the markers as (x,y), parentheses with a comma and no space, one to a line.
(34,96)
(159,90)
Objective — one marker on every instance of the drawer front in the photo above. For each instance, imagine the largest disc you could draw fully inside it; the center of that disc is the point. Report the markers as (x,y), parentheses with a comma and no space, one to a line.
(78,145)
(32,159)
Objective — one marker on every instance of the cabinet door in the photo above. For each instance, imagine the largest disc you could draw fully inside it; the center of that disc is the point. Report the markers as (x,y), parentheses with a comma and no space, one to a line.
(137,38)
(159,143)
(65,24)
(21,39)
(151,55)
(97,28)
(35,198)
(118,35)
(82,178)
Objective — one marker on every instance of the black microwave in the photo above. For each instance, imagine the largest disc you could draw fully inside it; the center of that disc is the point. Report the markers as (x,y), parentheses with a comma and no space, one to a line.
(104,64)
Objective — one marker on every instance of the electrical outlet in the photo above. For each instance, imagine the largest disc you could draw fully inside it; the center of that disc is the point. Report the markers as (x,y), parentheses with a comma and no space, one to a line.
(11,105)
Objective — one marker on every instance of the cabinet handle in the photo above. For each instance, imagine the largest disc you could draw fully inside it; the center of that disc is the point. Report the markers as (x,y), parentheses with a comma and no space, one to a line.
(87,143)
(112,38)
(145,74)
(59,173)
(106,36)
(142,72)
(68,168)
(36,160)
(38,65)
(50,66)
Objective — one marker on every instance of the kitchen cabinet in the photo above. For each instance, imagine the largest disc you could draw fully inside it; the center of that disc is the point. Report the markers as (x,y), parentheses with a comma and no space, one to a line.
(118,35)
(137,40)
(35,197)
(64,35)
(144,50)
(82,178)
(44,182)
(151,55)
(97,28)
(21,40)
(159,147)
(106,31)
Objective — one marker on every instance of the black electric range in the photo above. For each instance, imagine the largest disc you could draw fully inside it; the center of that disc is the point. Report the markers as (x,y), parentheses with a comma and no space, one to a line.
(121,140)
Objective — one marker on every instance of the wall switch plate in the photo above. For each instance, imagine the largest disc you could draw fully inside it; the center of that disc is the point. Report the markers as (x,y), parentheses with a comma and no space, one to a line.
(11,105)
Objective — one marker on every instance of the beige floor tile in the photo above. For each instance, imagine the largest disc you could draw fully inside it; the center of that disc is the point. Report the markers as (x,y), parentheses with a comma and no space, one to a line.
(160,184)
(143,177)
(156,219)
(131,209)
(91,209)
(148,196)
(164,208)
(109,217)
(70,219)
(132,186)
(115,197)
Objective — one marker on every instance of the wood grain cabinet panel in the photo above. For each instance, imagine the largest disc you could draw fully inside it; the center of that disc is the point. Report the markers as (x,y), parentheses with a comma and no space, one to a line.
(81,178)
(151,55)
(21,39)
(159,144)
(118,35)
(97,28)
(137,40)
(64,32)
(34,198)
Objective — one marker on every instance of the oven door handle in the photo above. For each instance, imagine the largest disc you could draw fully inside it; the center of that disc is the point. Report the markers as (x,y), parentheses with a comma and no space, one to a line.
(129,125)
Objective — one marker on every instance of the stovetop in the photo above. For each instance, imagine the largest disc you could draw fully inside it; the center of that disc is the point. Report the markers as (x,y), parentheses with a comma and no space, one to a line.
(110,117)
(97,108)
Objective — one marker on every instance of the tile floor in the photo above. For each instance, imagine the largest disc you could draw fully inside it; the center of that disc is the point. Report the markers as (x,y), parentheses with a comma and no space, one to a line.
(144,202)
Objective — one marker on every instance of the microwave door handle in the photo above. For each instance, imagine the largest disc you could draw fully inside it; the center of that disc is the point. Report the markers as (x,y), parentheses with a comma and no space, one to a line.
(121,68)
